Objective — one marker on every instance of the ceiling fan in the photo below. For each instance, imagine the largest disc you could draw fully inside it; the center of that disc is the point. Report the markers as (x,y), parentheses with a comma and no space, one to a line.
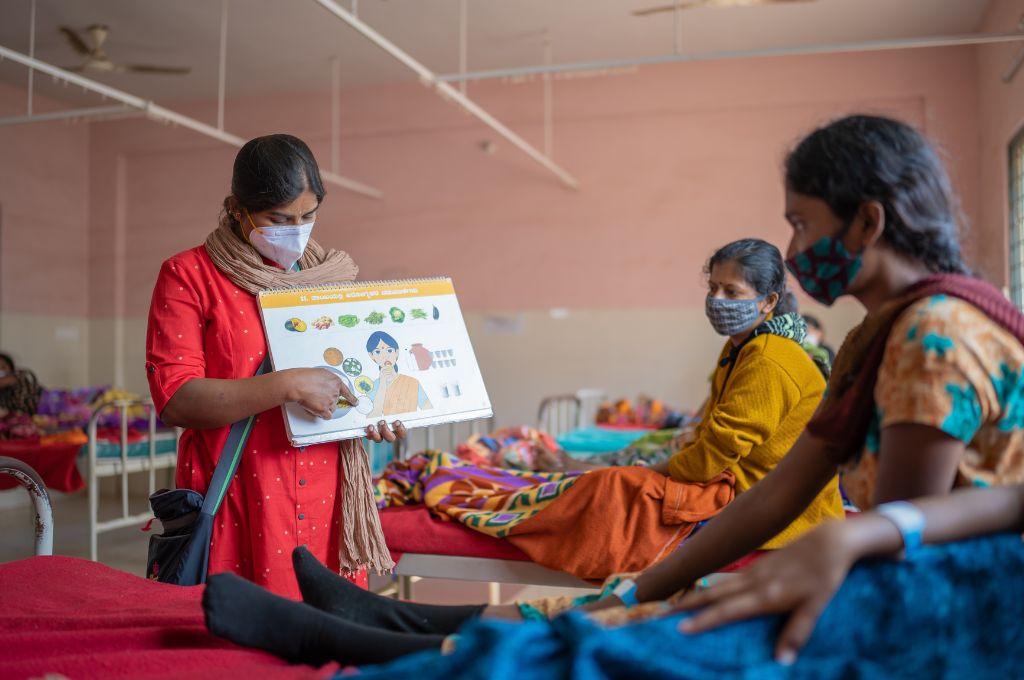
(695,4)
(96,58)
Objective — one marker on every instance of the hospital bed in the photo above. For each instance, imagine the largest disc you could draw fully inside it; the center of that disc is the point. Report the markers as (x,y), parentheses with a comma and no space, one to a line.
(64,617)
(156,450)
(42,512)
(426,548)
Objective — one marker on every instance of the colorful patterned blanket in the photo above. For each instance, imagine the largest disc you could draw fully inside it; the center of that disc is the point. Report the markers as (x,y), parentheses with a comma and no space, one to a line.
(590,525)
(489,499)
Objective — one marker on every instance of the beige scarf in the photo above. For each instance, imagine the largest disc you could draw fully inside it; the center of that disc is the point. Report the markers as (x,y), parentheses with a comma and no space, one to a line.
(362,539)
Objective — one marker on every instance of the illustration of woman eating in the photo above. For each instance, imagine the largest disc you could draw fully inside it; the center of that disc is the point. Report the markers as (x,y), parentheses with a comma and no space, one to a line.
(392,393)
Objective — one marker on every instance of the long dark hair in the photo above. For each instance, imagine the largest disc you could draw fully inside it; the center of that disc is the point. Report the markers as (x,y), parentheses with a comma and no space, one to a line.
(762,268)
(871,158)
(271,171)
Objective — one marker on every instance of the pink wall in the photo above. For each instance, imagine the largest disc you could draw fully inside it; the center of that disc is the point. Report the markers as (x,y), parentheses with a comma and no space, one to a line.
(44,200)
(673,161)
(1000,117)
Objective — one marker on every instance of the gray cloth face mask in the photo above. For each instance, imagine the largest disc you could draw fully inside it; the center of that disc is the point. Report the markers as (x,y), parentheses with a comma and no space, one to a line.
(732,317)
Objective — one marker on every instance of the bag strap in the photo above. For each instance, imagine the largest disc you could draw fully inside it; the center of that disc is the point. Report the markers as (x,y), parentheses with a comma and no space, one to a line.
(230,456)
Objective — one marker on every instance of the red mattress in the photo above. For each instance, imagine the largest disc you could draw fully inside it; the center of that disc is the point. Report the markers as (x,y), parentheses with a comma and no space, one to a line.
(82,619)
(411,529)
(55,463)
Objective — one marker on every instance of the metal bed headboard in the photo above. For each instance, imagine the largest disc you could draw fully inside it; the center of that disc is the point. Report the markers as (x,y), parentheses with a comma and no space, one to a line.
(123,466)
(33,483)
(559,414)
(445,437)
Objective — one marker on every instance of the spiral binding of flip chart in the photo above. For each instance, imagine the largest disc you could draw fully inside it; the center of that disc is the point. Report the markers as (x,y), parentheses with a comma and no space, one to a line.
(349,285)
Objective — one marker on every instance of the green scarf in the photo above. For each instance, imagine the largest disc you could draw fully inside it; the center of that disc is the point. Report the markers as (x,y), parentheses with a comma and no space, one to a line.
(789,326)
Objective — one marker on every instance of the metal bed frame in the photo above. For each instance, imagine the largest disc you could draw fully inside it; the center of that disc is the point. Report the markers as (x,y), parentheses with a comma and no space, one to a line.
(123,466)
(43,513)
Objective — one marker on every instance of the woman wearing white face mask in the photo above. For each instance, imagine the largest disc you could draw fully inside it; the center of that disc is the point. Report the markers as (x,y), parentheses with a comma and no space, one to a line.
(204,345)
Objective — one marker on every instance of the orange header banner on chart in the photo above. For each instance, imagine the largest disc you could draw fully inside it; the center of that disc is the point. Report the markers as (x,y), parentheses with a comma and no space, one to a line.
(326,295)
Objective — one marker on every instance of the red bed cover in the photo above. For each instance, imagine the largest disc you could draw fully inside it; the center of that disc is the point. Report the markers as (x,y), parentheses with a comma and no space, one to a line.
(82,619)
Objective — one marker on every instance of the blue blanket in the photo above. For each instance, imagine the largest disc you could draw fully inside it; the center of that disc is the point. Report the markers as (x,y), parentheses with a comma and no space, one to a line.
(595,440)
(953,611)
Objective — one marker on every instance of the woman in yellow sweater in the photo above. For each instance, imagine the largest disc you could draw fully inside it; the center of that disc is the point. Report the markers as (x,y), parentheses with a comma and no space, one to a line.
(765,388)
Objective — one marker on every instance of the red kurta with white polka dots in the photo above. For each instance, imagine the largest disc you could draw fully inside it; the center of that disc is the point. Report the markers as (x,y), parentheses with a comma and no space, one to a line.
(201,325)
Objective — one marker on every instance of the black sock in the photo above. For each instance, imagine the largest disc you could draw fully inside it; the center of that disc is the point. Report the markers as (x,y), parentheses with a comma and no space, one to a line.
(336,595)
(248,615)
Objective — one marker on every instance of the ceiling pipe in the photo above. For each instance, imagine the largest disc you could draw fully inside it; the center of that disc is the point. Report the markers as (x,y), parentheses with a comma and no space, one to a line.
(549,110)
(31,53)
(831,48)
(1015,65)
(161,114)
(463,42)
(222,64)
(335,113)
(104,112)
(430,79)
(1018,60)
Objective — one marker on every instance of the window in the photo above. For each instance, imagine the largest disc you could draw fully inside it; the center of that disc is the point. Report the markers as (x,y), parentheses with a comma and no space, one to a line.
(1017,219)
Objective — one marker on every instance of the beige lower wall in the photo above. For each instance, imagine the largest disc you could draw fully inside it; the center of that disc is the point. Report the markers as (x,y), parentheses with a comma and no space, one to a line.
(76,352)
(55,347)
(667,353)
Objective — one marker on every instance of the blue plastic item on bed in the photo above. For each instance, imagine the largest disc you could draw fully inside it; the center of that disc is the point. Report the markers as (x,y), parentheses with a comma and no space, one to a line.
(598,440)
(135,450)
(952,611)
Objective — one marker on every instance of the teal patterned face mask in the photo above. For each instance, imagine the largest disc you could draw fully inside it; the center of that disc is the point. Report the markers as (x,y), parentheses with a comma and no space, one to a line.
(826,269)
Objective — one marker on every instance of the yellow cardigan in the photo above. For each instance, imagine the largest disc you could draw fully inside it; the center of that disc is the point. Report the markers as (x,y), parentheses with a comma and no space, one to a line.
(755,414)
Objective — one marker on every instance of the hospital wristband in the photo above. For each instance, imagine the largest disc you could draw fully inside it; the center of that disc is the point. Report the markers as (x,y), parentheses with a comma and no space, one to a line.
(626,591)
(910,521)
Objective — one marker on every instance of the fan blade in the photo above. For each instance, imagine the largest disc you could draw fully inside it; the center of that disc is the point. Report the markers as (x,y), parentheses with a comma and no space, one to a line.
(694,4)
(752,3)
(664,9)
(167,70)
(74,69)
(77,44)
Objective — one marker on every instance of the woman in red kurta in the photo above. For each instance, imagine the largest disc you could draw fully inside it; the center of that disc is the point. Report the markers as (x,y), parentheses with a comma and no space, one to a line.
(205,342)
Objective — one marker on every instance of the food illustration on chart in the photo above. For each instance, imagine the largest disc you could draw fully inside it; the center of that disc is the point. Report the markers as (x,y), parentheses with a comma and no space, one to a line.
(352,367)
